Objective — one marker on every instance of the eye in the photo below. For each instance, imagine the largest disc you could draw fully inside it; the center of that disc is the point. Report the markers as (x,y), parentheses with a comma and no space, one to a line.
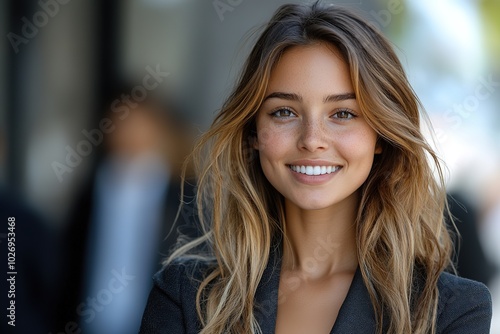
(344,114)
(282,113)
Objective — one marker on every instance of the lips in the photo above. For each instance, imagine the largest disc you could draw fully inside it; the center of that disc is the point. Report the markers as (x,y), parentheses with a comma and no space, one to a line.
(314,170)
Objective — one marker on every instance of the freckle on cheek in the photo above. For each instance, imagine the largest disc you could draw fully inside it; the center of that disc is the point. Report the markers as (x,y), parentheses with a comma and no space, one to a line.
(265,136)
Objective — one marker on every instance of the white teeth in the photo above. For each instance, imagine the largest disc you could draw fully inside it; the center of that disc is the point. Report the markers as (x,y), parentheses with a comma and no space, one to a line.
(314,170)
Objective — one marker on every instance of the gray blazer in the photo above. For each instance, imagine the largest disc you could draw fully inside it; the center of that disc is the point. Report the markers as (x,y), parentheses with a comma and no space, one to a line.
(464,306)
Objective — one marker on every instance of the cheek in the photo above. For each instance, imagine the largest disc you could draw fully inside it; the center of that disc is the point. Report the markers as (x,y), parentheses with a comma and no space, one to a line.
(272,138)
(359,145)
(273,145)
(269,144)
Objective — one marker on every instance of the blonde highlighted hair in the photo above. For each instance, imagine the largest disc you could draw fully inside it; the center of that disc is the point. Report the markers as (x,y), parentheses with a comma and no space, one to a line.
(401,234)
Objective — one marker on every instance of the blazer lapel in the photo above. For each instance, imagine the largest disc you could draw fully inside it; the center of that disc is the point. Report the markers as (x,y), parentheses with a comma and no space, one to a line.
(356,315)
(266,296)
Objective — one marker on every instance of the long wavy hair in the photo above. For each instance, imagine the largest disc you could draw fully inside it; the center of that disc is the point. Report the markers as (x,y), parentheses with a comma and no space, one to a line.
(401,235)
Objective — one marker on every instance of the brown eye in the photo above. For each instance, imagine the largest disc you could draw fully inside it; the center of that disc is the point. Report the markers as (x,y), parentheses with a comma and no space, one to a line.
(344,114)
(283,113)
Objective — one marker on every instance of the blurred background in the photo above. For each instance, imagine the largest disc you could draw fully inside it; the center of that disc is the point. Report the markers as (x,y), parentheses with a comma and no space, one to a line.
(101,100)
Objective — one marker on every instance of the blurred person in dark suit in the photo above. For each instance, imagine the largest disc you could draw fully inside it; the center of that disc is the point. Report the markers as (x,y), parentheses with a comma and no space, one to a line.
(490,235)
(122,226)
(471,260)
(490,229)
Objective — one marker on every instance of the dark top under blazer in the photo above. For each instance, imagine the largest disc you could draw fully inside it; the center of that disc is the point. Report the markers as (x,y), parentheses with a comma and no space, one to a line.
(464,306)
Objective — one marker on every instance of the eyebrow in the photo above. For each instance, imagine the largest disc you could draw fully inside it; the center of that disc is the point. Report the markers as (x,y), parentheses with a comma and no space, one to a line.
(296,97)
(340,97)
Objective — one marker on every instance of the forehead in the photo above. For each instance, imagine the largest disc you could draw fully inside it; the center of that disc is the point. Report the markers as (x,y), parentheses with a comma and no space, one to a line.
(317,67)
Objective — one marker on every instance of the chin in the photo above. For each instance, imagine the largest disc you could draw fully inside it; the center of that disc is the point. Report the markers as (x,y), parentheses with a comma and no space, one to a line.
(310,205)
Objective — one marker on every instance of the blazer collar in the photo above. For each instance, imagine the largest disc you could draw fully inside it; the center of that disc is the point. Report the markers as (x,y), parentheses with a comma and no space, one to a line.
(356,314)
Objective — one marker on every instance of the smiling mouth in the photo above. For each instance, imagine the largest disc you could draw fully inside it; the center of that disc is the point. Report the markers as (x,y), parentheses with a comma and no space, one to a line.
(314,170)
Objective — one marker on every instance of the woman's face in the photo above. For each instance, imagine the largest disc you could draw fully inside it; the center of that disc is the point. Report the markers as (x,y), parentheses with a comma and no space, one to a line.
(315,147)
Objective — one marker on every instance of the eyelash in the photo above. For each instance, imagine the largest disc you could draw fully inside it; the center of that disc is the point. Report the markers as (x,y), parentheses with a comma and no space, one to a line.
(276,111)
(349,112)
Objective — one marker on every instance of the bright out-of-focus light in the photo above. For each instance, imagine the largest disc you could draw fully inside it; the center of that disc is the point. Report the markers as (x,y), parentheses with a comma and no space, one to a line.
(457,24)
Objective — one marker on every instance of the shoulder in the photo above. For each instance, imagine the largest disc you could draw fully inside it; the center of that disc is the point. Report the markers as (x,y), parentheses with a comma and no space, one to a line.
(181,277)
(171,306)
(464,305)
(462,291)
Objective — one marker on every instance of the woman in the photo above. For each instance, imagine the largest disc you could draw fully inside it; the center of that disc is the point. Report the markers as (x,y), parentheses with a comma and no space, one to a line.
(323,214)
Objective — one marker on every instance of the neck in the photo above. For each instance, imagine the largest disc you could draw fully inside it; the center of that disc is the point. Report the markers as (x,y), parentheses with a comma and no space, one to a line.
(319,243)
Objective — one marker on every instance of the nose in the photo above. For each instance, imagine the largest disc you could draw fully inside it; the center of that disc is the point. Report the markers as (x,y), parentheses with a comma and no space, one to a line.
(312,136)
